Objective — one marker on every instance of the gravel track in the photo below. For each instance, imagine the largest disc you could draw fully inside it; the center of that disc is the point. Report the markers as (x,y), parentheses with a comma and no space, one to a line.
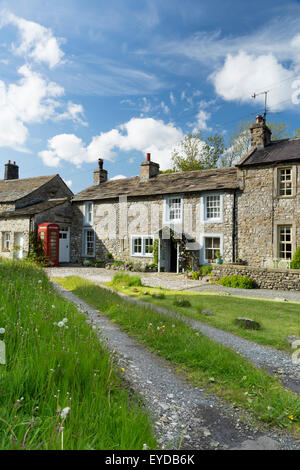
(184,416)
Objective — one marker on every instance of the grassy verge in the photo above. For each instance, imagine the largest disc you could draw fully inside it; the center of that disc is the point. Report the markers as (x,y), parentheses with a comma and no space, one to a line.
(207,363)
(277,319)
(58,375)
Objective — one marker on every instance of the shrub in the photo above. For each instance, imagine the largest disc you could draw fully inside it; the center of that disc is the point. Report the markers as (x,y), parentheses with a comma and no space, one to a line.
(118,263)
(127,280)
(242,282)
(203,271)
(295,263)
(196,275)
(182,302)
(152,267)
(206,270)
(89,262)
(137,267)
(109,256)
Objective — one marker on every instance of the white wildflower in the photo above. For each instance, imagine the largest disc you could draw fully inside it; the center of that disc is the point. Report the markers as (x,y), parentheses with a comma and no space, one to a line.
(64,413)
(2,331)
(60,324)
(65,320)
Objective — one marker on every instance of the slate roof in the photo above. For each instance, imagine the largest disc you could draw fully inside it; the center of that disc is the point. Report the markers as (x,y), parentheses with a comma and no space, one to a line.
(12,190)
(277,151)
(33,209)
(167,183)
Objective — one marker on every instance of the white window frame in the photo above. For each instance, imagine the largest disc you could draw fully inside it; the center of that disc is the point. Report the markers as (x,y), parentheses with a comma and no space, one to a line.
(284,242)
(211,220)
(5,240)
(285,182)
(87,212)
(203,260)
(143,253)
(167,209)
(84,242)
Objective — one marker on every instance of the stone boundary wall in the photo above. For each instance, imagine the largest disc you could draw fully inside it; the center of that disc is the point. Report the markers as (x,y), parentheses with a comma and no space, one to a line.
(265,278)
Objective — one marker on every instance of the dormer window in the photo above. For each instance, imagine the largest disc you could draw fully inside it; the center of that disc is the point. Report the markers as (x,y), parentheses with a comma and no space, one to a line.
(285,185)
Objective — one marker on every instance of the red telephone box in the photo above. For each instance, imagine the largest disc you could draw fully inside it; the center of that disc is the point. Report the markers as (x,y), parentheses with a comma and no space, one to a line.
(49,234)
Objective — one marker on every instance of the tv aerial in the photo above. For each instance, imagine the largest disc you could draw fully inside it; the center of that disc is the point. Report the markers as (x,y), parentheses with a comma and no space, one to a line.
(266,97)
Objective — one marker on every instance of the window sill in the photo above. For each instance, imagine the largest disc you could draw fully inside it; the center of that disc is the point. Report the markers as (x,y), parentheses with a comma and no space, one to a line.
(286,197)
(213,221)
(141,256)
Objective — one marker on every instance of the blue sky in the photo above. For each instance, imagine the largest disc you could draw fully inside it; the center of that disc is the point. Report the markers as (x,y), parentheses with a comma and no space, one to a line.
(87,79)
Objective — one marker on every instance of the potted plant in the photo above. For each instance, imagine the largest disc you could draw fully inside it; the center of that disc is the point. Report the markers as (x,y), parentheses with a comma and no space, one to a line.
(219,259)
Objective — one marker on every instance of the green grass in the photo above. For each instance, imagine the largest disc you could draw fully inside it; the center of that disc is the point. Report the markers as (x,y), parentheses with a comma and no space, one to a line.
(49,367)
(277,319)
(205,362)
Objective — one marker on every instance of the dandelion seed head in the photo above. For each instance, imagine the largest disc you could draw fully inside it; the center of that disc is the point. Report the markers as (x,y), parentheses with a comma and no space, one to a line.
(64,412)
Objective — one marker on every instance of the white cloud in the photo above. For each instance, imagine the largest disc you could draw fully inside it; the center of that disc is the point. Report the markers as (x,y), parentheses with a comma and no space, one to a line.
(36,41)
(243,74)
(67,147)
(172,98)
(118,177)
(68,183)
(201,123)
(164,107)
(138,134)
(74,112)
(31,100)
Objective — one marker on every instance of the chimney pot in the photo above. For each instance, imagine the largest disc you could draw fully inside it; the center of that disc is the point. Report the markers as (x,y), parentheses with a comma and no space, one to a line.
(260,119)
(100,175)
(11,171)
(149,169)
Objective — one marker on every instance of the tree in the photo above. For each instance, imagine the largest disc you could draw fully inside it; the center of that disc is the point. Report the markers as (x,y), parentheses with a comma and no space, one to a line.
(198,153)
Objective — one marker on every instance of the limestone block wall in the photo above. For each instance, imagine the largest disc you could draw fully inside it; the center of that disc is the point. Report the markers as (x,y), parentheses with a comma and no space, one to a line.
(116,221)
(14,226)
(260,211)
(281,279)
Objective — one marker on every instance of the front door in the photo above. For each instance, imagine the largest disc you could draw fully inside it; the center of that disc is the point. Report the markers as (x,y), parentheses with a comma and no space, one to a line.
(19,245)
(64,245)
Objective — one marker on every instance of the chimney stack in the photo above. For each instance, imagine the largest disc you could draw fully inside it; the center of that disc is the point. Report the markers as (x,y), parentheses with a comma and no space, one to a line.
(11,171)
(260,133)
(100,175)
(149,169)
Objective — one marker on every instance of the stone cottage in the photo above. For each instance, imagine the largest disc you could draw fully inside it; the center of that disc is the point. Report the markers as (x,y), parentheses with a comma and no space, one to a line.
(250,212)
(25,203)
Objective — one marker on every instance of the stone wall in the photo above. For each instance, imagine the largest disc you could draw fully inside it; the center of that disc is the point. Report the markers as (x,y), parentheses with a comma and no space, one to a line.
(14,226)
(116,221)
(281,279)
(260,211)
